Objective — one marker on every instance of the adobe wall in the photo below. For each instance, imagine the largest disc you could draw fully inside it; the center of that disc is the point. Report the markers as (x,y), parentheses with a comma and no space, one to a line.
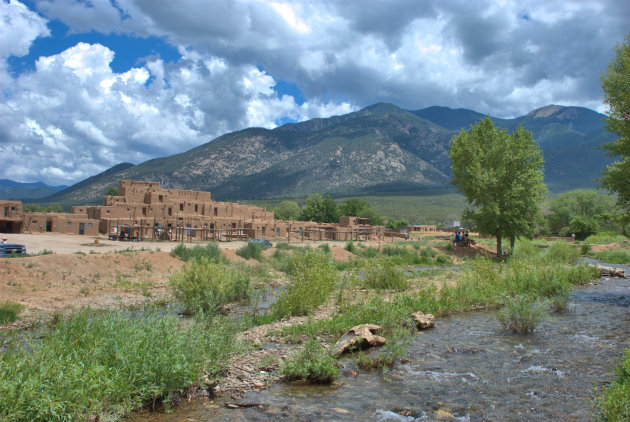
(41,222)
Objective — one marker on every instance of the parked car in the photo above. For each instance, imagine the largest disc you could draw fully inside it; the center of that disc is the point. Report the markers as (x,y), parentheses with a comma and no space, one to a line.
(8,249)
(259,241)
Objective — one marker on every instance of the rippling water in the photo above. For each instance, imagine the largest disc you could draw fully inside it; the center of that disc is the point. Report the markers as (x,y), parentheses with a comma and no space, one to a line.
(466,368)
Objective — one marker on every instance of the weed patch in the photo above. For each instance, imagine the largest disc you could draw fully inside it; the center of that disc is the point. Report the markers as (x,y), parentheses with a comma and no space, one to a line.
(614,256)
(9,312)
(311,364)
(210,251)
(252,251)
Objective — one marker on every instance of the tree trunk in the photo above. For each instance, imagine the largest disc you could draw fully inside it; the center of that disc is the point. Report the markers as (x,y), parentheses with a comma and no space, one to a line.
(499,250)
(512,238)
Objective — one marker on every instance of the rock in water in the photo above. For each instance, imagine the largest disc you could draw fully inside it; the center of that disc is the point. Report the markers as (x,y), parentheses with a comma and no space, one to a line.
(423,321)
(359,338)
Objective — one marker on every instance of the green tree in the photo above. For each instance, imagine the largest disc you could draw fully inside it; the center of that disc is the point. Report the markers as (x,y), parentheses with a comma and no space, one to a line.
(287,210)
(501,176)
(616,86)
(113,191)
(54,207)
(578,203)
(321,209)
(354,207)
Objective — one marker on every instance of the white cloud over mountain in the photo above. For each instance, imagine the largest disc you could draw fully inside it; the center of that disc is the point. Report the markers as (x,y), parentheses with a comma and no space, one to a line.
(73,116)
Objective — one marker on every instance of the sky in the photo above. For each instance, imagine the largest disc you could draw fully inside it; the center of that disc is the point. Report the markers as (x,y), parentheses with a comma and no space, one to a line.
(88,84)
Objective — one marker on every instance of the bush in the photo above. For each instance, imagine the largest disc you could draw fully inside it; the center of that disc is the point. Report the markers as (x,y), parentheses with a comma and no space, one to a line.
(312,281)
(520,315)
(252,250)
(101,365)
(324,247)
(561,252)
(583,227)
(311,364)
(605,237)
(614,256)
(203,286)
(350,247)
(209,251)
(383,274)
(9,312)
(614,403)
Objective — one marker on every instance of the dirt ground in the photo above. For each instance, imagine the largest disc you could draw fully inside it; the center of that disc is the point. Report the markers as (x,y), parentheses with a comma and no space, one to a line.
(94,271)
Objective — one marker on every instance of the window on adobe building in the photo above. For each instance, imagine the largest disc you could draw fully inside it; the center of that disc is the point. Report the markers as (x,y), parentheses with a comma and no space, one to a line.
(89,224)
(161,198)
(144,211)
(216,211)
(170,211)
(181,207)
(68,223)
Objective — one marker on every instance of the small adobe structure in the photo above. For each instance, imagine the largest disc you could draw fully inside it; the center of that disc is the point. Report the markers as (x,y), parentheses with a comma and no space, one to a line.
(144,210)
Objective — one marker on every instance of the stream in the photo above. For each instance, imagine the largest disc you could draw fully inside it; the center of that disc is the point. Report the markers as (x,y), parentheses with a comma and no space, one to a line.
(467,368)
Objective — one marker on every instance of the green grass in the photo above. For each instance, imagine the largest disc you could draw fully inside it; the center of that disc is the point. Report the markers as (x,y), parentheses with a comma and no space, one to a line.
(605,238)
(521,314)
(210,251)
(252,251)
(313,278)
(614,256)
(383,274)
(202,285)
(9,312)
(613,404)
(101,365)
(312,363)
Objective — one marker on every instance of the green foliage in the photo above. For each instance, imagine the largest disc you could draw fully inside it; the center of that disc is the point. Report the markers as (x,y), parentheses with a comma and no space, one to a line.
(52,207)
(101,365)
(252,250)
(325,247)
(501,176)
(521,315)
(396,224)
(613,404)
(605,238)
(617,97)
(313,278)
(9,312)
(203,286)
(355,207)
(321,209)
(614,256)
(210,251)
(383,274)
(287,210)
(312,364)
(583,227)
(112,191)
(587,204)
(350,246)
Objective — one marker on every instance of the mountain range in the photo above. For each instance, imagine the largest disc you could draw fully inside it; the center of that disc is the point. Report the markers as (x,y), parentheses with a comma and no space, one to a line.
(381,148)
(11,190)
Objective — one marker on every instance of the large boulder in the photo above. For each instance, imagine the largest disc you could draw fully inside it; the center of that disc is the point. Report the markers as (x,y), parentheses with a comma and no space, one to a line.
(422,320)
(358,338)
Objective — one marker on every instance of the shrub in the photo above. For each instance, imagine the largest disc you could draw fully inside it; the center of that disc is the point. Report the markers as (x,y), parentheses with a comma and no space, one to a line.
(583,227)
(209,251)
(252,250)
(614,403)
(311,364)
(520,315)
(605,237)
(324,247)
(370,252)
(9,312)
(312,281)
(202,285)
(350,247)
(614,256)
(383,274)
(101,365)
(586,248)
(562,252)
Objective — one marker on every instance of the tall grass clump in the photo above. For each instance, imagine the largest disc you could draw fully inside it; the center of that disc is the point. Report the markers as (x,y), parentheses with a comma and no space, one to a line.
(613,405)
(252,250)
(209,251)
(312,363)
(560,252)
(383,274)
(101,365)
(521,315)
(614,256)
(325,247)
(605,238)
(9,312)
(203,286)
(312,281)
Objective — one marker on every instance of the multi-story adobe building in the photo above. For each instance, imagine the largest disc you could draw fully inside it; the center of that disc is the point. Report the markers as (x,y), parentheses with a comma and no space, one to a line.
(145,210)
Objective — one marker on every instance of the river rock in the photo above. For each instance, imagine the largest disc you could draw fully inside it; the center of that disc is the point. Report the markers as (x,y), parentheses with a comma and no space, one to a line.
(611,271)
(423,321)
(359,338)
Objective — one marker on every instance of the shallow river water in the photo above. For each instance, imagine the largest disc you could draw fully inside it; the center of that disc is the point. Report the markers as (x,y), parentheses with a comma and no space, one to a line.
(466,368)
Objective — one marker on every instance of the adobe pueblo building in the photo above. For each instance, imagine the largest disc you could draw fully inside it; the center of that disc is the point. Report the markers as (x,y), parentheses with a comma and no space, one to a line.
(145,210)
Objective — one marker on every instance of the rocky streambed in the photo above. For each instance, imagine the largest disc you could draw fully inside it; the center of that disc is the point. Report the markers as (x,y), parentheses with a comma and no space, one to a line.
(465,368)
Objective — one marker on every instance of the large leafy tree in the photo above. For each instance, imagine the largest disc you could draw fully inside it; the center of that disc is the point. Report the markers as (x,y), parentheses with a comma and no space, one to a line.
(501,176)
(287,210)
(616,86)
(321,209)
(585,204)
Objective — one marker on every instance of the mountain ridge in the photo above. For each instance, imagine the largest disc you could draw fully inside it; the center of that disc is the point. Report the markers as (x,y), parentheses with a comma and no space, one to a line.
(378,146)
